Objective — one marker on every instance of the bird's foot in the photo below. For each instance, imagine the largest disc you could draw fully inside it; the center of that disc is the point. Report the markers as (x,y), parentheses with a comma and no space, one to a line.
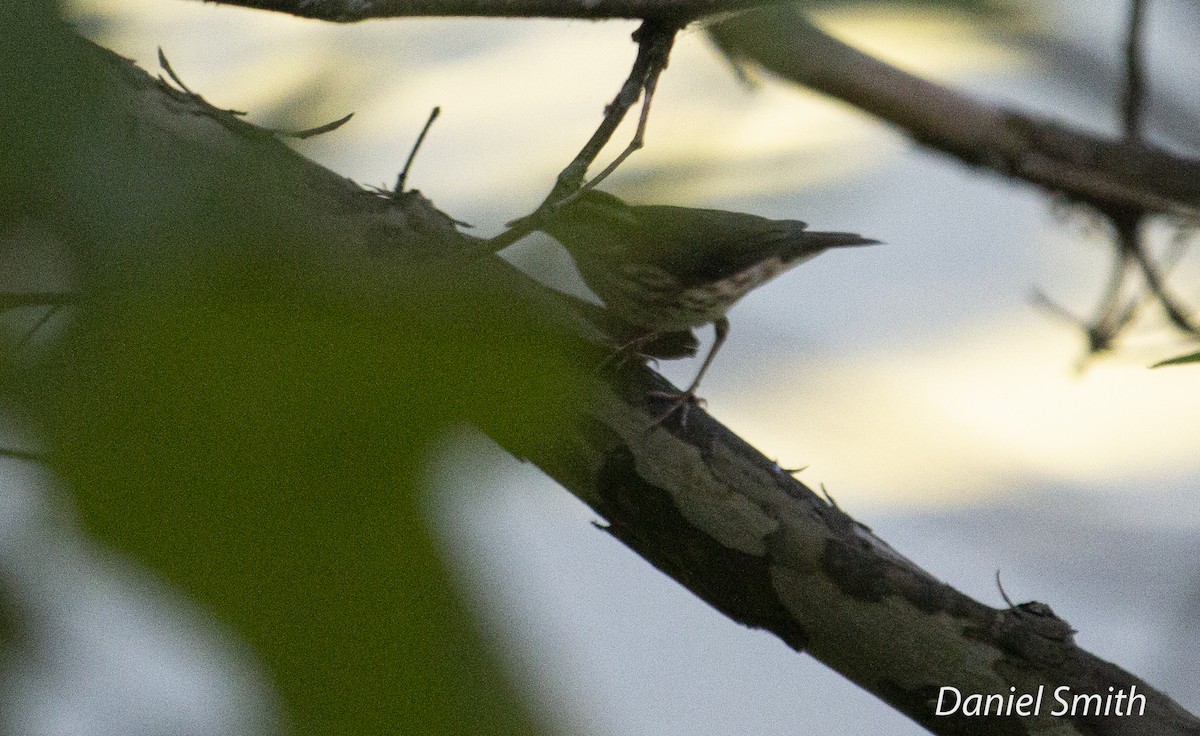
(621,356)
(681,401)
(631,350)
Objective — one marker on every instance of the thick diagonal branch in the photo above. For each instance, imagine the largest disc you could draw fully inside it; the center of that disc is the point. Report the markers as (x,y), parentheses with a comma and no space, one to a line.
(1052,155)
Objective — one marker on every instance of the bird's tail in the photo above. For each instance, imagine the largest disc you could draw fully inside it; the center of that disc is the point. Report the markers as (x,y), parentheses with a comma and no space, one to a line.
(812,244)
(822,241)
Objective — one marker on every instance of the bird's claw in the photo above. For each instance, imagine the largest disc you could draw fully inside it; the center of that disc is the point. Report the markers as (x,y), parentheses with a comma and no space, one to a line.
(622,354)
(681,401)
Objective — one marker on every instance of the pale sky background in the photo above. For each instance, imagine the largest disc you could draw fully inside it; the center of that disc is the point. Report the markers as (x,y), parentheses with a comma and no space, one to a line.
(914,379)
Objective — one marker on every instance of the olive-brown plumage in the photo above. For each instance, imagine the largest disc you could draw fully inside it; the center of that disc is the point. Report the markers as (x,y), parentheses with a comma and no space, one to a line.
(665,269)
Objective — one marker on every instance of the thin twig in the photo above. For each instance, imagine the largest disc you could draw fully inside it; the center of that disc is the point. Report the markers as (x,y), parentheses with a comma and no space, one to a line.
(403,177)
(639,139)
(233,118)
(658,65)
(1126,221)
(1003,594)
(317,130)
(1099,334)
(166,67)
(654,39)
(1109,312)
(1133,102)
(1111,317)
(199,99)
(1127,225)
(1174,309)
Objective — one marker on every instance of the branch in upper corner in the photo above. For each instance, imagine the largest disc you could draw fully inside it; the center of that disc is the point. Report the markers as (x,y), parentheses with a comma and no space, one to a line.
(1128,233)
(1079,165)
(349,11)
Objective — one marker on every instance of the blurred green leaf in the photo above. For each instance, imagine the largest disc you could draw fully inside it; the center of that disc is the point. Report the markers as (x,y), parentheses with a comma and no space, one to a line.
(267,459)
(44,97)
(236,411)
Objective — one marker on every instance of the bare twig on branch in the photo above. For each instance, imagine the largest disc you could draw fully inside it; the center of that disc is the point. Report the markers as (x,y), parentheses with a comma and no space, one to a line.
(402,178)
(654,40)
(1112,316)
(230,117)
(1155,283)
(1130,244)
(1101,332)
(1134,101)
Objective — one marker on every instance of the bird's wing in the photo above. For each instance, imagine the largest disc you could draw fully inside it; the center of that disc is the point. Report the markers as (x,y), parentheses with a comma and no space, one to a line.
(694,246)
(597,222)
(700,246)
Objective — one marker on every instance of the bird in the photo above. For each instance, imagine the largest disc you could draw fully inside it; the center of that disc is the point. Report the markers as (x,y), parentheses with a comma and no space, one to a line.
(665,269)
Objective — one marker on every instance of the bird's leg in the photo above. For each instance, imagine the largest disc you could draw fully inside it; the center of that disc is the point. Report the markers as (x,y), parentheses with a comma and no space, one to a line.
(721,327)
(685,399)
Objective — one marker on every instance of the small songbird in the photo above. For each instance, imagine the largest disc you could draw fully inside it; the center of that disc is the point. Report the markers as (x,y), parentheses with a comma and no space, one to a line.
(668,269)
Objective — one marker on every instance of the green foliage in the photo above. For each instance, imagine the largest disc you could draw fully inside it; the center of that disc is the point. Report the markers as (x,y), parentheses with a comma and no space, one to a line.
(267,459)
(43,97)
(232,412)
